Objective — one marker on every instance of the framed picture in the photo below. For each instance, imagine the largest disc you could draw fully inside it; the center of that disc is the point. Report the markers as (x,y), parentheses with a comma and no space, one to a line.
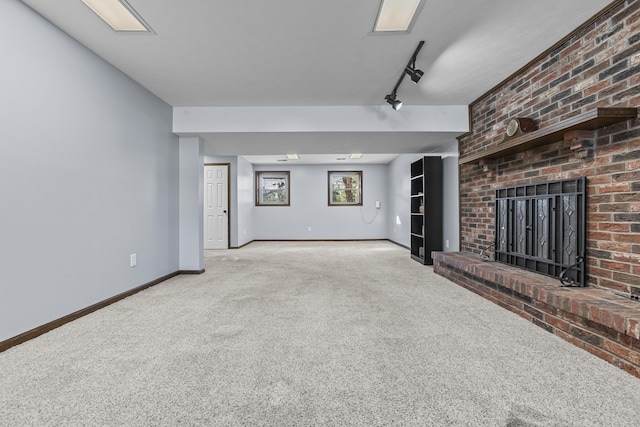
(272,188)
(345,188)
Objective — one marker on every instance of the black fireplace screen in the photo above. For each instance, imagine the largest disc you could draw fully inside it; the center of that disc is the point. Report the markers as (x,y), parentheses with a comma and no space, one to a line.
(542,227)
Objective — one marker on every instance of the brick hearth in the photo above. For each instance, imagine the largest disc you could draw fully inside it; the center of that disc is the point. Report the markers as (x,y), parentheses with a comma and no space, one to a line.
(597,320)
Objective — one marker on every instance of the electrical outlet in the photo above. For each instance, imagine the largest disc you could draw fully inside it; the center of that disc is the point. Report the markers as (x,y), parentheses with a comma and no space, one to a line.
(377,204)
(309,229)
(446,243)
(133,260)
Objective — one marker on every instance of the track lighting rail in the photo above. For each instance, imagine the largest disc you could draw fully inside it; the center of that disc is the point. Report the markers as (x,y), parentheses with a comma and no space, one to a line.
(409,70)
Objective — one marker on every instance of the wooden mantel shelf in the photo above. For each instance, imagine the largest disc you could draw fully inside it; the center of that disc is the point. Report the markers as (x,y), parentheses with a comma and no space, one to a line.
(592,120)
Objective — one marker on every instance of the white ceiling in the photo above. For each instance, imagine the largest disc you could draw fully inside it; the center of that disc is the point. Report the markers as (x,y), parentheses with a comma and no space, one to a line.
(320,53)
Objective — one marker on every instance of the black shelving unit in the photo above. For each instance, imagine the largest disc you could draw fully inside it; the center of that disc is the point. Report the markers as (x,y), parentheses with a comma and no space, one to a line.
(426,208)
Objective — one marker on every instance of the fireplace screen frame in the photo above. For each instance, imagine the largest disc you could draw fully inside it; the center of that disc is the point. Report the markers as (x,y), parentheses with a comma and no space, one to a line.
(542,228)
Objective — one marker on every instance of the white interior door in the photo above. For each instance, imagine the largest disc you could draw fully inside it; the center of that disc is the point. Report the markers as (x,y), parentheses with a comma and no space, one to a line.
(216,206)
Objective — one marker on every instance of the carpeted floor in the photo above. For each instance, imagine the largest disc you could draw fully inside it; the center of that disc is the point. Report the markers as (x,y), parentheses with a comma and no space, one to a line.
(309,334)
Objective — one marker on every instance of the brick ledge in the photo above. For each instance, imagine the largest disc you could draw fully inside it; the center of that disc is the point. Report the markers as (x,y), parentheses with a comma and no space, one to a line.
(601,322)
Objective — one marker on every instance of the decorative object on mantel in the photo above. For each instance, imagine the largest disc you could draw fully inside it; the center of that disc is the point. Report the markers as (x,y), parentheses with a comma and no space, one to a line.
(591,120)
(518,127)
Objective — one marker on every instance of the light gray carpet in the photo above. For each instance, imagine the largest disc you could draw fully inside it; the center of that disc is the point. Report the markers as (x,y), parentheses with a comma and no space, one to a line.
(306,334)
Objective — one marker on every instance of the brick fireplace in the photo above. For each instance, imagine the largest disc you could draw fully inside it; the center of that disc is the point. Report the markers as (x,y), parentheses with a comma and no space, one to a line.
(582,95)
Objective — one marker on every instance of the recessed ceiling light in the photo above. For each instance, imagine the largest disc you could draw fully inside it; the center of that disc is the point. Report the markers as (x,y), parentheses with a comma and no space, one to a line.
(292,156)
(395,15)
(355,156)
(118,14)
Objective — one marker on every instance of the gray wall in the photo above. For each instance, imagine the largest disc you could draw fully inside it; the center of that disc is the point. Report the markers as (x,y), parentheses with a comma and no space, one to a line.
(309,207)
(191,203)
(88,176)
(245,196)
(388,183)
(451,205)
(399,225)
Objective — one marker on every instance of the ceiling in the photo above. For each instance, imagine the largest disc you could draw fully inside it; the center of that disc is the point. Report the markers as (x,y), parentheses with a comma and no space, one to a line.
(245,53)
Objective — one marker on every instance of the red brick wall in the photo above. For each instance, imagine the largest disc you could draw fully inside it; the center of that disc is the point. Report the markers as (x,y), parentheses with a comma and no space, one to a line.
(597,67)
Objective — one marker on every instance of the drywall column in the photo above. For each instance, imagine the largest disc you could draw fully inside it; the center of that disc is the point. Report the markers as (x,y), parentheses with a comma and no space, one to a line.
(450,204)
(191,204)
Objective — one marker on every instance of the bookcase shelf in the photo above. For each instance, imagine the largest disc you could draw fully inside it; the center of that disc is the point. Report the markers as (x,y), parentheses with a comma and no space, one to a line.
(426,208)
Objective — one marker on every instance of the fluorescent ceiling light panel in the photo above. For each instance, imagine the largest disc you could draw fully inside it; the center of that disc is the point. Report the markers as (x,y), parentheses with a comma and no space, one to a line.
(118,14)
(292,156)
(355,156)
(395,15)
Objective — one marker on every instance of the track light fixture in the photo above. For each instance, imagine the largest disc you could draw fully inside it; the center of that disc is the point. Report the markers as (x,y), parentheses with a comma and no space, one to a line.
(395,103)
(413,73)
